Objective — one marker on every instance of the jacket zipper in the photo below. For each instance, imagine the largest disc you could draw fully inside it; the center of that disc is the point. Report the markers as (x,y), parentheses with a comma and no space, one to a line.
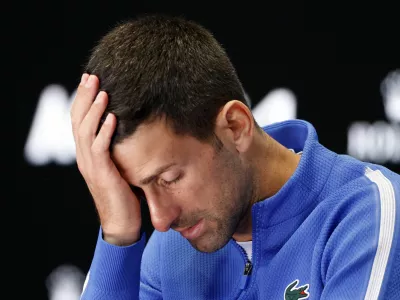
(248,267)
(246,275)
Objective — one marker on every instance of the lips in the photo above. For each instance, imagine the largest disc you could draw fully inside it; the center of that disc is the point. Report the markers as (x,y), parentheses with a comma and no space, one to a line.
(194,231)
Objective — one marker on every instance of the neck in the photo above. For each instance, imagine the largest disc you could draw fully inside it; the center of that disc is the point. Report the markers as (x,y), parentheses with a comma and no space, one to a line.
(273,165)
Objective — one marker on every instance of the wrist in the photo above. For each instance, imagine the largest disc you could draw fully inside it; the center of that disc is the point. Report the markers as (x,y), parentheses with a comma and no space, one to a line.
(121,239)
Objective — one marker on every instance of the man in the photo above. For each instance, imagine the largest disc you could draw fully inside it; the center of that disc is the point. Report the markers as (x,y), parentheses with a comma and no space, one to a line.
(239,211)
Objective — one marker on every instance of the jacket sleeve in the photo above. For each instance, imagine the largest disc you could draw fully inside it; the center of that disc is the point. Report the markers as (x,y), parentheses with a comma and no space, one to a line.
(114,272)
(362,253)
(151,269)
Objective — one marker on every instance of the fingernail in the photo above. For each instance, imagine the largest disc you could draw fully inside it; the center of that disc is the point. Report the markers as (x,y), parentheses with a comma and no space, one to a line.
(108,119)
(84,78)
(90,81)
(99,97)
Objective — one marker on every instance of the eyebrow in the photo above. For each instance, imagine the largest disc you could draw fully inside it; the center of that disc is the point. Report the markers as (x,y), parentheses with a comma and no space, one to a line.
(158,171)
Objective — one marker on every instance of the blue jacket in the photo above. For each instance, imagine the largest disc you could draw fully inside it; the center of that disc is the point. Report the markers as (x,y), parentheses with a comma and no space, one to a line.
(331,232)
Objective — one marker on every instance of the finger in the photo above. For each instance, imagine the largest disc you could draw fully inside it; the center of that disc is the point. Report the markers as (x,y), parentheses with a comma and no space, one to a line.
(87,91)
(101,144)
(90,124)
(84,79)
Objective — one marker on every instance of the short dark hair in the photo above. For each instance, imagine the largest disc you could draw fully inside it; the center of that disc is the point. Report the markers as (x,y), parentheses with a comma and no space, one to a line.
(159,66)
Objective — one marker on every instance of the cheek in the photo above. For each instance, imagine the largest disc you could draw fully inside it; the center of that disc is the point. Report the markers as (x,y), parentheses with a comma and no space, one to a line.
(202,186)
(196,193)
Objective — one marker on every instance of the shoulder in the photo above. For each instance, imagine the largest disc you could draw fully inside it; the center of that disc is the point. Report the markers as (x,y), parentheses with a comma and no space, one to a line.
(363,224)
(360,206)
(353,182)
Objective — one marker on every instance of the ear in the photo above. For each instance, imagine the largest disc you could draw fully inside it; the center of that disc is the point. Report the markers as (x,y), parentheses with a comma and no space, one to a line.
(235,124)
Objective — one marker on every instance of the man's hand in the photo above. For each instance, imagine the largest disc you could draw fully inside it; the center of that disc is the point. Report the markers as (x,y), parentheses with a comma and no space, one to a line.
(117,205)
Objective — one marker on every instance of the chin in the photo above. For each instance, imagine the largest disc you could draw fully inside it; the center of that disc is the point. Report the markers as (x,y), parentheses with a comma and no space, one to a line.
(207,244)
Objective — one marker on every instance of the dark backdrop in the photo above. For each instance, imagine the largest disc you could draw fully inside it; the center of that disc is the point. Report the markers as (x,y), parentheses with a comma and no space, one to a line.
(332,60)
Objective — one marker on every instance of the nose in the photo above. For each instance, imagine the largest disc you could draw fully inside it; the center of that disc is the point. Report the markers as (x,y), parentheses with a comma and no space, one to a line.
(163,211)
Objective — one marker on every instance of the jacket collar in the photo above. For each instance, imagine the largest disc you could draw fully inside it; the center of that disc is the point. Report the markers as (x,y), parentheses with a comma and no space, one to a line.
(303,188)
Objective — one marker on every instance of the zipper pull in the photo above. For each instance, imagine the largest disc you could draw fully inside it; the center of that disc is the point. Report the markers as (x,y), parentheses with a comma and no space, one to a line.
(248,268)
(246,275)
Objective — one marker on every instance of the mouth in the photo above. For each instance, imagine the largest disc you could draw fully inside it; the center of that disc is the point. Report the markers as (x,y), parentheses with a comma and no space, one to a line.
(194,231)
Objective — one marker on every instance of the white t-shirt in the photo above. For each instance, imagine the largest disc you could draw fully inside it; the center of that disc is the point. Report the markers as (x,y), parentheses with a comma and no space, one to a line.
(247,246)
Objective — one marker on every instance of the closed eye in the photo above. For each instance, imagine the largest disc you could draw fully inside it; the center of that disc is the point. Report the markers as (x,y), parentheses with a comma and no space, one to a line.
(168,183)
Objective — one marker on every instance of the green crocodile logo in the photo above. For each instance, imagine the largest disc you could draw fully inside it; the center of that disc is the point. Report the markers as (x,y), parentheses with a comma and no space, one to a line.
(293,293)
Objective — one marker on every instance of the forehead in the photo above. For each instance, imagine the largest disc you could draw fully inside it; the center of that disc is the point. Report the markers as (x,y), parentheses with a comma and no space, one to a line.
(154,145)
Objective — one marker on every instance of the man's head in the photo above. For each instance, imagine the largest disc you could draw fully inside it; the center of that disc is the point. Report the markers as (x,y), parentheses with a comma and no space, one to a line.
(179,103)
(159,66)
